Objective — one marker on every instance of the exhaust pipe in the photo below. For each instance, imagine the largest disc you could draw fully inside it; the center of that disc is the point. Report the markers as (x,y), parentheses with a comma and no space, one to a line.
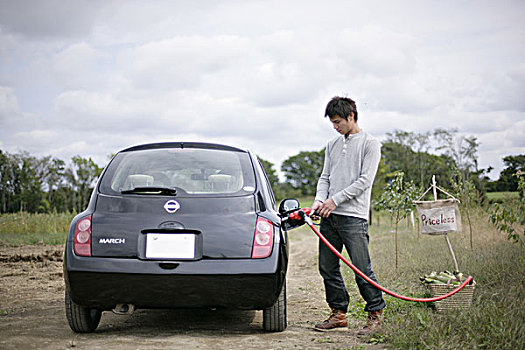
(124,309)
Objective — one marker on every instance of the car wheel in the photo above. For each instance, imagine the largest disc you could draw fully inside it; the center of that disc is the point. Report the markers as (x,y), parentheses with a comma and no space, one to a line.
(274,317)
(81,319)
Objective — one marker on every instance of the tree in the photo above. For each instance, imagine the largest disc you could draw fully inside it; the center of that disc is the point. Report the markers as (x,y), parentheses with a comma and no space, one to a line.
(507,180)
(462,149)
(29,183)
(6,181)
(82,175)
(397,199)
(270,172)
(510,215)
(422,155)
(53,176)
(399,153)
(417,167)
(28,186)
(398,157)
(302,171)
(421,145)
(380,180)
(467,193)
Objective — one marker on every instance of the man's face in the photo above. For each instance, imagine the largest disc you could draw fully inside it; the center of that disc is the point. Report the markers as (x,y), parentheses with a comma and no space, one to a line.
(341,125)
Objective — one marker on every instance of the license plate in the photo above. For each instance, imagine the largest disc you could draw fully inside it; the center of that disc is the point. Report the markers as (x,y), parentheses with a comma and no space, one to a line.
(170,246)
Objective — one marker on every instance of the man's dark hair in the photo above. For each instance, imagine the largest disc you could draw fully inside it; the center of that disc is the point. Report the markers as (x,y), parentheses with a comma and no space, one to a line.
(341,106)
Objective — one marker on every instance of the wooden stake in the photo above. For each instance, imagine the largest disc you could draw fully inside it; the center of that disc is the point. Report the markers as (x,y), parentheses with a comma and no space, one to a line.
(434,188)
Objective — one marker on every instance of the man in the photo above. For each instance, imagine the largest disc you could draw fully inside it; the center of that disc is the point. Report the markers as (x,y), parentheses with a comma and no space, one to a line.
(343,202)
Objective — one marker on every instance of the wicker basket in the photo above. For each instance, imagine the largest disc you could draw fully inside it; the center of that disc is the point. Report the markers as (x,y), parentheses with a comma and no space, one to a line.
(460,300)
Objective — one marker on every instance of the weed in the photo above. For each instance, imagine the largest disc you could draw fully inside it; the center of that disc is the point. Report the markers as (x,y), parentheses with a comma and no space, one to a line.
(495,319)
(377,339)
(326,340)
(27,228)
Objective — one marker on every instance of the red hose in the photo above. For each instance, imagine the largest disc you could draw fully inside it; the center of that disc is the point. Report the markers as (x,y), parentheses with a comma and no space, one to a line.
(366,278)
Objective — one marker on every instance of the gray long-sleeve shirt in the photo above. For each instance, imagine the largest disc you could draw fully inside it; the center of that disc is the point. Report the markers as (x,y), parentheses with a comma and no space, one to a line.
(350,166)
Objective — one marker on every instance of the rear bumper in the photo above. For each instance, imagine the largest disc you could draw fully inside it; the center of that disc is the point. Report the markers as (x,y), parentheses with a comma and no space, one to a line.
(104,291)
(233,283)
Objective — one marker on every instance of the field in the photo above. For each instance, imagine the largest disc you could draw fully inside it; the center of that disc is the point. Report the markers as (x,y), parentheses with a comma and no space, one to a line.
(25,228)
(495,319)
(31,296)
(500,197)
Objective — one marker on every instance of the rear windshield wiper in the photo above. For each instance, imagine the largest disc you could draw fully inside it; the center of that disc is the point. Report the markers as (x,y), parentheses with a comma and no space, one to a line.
(151,190)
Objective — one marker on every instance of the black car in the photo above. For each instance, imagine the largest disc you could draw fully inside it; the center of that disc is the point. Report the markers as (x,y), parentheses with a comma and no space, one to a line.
(178,225)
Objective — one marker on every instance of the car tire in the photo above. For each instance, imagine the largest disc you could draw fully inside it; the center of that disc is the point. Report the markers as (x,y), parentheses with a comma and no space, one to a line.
(274,317)
(81,319)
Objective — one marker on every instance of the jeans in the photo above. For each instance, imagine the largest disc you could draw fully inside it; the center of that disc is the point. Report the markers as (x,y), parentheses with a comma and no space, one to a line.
(351,232)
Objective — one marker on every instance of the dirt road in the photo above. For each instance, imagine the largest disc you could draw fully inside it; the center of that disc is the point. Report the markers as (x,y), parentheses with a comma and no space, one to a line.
(32,312)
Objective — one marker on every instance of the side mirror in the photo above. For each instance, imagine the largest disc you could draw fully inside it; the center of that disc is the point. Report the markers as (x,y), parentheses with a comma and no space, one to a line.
(288,205)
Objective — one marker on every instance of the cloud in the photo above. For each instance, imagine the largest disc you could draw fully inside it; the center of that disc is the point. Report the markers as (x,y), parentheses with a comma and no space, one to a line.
(375,50)
(36,138)
(81,109)
(105,75)
(34,19)
(262,70)
(11,116)
(80,66)
(8,103)
(18,130)
(179,62)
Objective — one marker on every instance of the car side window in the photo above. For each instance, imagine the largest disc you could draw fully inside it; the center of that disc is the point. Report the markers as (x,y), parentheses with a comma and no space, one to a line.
(269,189)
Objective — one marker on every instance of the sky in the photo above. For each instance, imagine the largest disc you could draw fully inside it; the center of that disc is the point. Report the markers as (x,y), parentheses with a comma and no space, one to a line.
(90,78)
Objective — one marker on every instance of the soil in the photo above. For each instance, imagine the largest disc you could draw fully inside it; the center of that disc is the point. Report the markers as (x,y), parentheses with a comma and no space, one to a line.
(32,312)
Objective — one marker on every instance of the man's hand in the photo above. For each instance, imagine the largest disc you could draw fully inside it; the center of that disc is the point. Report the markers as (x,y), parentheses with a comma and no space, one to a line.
(315,206)
(326,208)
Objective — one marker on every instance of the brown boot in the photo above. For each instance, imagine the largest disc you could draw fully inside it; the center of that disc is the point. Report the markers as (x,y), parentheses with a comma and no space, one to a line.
(373,323)
(336,319)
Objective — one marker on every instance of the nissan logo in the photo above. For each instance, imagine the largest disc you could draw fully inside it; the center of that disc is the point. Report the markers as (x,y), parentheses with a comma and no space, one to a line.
(172,206)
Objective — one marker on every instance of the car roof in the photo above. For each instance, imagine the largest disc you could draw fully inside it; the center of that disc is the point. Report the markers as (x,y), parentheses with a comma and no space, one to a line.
(202,145)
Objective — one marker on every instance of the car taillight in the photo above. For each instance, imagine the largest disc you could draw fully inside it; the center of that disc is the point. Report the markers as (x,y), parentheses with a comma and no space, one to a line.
(263,239)
(82,242)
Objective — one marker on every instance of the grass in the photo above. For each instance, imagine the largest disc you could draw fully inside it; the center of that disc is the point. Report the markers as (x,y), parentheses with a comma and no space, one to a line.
(26,228)
(500,197)
(495,319)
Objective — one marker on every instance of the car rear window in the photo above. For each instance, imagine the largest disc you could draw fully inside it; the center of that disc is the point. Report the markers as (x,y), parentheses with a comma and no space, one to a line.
(191,171)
